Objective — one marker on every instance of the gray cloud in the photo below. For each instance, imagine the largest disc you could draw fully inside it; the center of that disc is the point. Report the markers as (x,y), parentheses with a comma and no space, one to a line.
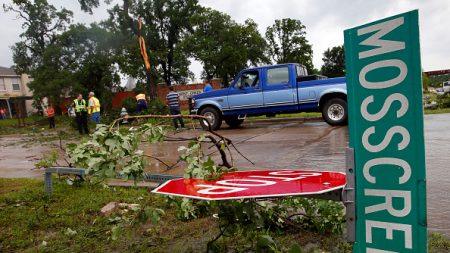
(325,21)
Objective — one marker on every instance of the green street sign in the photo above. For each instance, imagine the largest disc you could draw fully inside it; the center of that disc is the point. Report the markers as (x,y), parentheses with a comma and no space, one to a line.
(384,85)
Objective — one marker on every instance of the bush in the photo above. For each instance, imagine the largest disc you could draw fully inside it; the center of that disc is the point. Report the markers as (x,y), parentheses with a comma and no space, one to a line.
(156,106)
(130,104)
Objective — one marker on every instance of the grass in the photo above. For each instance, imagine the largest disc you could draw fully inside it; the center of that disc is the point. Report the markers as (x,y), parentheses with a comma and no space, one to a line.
(438,243)
(70,221)
(39,125)
(437,111)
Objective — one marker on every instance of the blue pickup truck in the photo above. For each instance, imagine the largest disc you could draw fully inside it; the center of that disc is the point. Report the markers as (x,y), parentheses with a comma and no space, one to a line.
(271,90)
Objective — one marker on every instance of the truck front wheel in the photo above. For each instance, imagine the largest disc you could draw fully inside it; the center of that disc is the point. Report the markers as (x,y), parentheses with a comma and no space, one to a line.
(233,121)
(213,116)
(334,112)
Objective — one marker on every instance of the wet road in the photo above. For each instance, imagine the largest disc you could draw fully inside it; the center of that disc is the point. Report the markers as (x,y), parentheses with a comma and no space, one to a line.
(283,145)
(317,146)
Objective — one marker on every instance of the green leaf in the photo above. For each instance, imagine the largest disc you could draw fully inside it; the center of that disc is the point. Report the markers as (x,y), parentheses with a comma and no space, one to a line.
(265,242)
(69,232)
(116,230)
(295,249)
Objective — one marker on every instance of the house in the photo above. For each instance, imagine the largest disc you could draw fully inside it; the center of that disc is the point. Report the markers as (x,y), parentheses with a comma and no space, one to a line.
(15,96)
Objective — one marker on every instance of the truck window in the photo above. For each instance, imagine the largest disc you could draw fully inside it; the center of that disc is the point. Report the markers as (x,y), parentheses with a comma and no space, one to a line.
(248,79)
(278,75)
(301,71)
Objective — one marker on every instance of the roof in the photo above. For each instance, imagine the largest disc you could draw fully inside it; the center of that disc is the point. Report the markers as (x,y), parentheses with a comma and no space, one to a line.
(274,65)
(7,72)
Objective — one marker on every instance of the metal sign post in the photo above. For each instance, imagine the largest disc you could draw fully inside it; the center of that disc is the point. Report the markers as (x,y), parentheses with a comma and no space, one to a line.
(386,132)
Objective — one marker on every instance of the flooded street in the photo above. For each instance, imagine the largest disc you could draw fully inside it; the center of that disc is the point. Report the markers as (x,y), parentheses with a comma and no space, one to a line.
(280,144)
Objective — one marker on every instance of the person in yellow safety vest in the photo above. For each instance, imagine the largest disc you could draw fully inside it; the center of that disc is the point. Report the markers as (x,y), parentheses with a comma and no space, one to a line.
(80,108)
(94,107)
(141,102)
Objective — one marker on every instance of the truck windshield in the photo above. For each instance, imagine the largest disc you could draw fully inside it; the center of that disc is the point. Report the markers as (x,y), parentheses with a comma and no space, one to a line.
(247,80)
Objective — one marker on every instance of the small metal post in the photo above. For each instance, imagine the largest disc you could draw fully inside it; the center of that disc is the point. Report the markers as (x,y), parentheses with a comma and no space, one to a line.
(9,108)
(48,183)
(348,195)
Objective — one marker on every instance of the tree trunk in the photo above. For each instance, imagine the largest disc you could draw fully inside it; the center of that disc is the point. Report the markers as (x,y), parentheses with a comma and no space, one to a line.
(151,85)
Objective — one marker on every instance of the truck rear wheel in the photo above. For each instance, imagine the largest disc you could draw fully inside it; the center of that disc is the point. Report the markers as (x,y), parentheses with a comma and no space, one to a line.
(214,118)
(334,112)
(233,121)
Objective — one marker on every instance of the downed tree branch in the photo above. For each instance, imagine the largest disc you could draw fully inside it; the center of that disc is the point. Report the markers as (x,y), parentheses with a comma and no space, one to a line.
(159,160)
(219,141)
(223,155)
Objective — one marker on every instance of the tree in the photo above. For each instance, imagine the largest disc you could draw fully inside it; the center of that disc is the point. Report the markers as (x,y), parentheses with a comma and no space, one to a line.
(82,59)
(287,42)
(333,62)
(425,81)
(42,23)
(165,22)
(87,5)
(224,46)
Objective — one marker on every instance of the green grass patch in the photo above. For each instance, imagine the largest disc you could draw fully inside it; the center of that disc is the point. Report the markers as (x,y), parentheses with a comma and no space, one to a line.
(70,221)
(437,111)
(34,124)
(438,243)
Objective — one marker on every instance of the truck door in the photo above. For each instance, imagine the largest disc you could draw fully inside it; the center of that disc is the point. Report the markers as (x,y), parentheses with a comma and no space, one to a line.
(246,92)
(279,92)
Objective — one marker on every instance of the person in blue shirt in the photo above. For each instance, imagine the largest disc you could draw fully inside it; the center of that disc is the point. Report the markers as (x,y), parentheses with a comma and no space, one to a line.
(208,86)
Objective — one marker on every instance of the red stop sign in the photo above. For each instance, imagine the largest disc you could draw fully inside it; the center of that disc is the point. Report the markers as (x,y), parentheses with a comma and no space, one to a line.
(255,184)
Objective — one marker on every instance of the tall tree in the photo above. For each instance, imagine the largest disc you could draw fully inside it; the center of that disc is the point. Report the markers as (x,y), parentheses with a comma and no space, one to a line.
(42,23)
(82,59)
(333,62)
(63,60)
(287,42)
(165,22)
(224,46)
(88,5)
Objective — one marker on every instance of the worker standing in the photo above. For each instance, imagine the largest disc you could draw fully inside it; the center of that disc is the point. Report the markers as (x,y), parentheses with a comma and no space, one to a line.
(94,107)
(141,102)
(208,86)
(174,107)
(51,116)
(81,114)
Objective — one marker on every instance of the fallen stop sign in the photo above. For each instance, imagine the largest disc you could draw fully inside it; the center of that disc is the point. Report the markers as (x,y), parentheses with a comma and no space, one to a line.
(255,184)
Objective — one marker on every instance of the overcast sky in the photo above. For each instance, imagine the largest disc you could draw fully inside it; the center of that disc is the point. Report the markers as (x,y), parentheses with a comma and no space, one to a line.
(325,21)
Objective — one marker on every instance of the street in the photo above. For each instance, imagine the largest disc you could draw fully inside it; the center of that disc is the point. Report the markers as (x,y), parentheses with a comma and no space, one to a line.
(280,144)
(318,146)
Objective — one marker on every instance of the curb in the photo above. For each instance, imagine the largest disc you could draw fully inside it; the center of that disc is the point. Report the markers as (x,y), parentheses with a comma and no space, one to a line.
(296,119)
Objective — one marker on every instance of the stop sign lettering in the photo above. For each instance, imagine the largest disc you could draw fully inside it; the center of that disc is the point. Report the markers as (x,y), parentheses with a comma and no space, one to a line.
(255,184)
